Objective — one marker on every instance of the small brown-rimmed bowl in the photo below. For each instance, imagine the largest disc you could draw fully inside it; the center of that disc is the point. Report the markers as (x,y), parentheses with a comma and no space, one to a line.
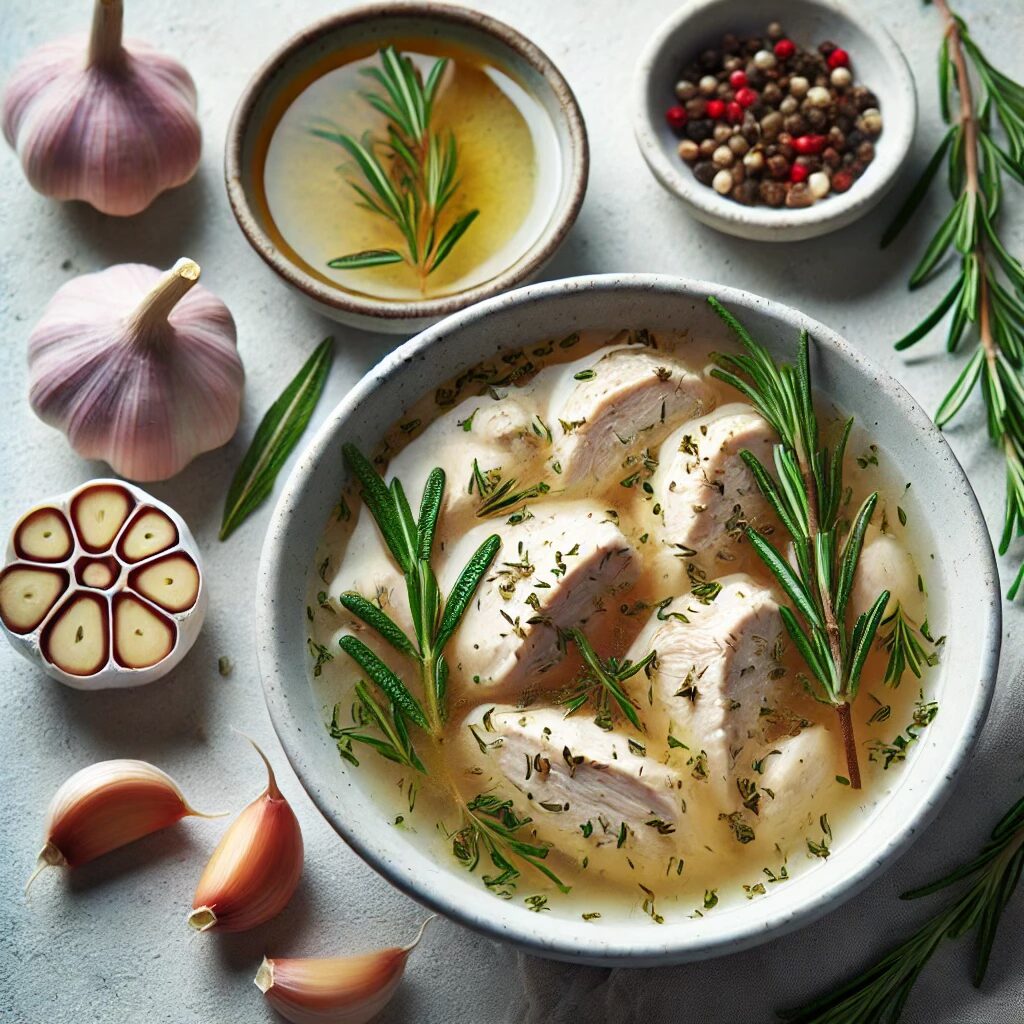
(878,63)
(366,29)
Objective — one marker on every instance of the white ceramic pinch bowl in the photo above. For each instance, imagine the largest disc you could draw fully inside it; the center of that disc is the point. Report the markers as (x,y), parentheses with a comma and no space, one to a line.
(102,587)
(962,578)
(877,63)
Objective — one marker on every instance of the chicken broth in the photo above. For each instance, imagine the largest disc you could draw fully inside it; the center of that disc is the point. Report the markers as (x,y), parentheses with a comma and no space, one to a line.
(609,466)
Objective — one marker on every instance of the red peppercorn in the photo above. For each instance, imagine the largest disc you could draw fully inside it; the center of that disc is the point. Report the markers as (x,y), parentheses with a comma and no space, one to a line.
(798,173)
(733,112)
(738,79)
(838,58)
(808,145)
(841,181)
(676,117)
(716,109)
(785,48)
(746,96)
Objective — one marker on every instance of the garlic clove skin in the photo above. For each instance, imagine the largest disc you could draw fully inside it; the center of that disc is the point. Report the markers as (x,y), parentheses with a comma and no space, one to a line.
(138,368)
(97,120)
(334,990)
(108,805)
(255,868)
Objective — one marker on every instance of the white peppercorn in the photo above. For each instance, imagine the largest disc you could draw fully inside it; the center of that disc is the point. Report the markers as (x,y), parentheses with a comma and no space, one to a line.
(688,150)
(723,157)
(685,90)
(819,96)
(709,85)
(765,60)
(820,184)
(841,78)
(798,86)
(722,183)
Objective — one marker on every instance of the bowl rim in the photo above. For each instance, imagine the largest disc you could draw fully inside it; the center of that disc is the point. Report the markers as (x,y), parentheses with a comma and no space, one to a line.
(778,224)
(490,917)
(543,247)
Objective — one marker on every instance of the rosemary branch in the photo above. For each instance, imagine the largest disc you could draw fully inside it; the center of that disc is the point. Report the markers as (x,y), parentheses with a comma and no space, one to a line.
(989,290)
(806,495)
(878,994)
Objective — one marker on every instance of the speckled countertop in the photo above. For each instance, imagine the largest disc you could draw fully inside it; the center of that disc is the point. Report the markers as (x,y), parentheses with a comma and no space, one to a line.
(109,943)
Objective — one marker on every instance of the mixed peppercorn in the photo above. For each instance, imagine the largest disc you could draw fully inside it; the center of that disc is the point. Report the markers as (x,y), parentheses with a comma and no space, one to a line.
(761,120)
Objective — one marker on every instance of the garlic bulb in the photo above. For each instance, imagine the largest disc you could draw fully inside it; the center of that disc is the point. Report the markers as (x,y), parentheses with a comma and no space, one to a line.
(256,867)
(107,805)
(96,120)
(102,587)
(138,368)
(334,990)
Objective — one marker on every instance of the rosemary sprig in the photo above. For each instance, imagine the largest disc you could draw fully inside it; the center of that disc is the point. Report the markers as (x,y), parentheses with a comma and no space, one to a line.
(278,433)
(498,495)
(396,745)
(807,498)
(434,617)
(989,289)
(602,681)
(904,648)
(878,995)
(490,828)
(409,177)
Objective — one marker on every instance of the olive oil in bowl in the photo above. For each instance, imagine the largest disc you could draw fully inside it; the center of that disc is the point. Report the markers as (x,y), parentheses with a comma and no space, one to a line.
(494,174)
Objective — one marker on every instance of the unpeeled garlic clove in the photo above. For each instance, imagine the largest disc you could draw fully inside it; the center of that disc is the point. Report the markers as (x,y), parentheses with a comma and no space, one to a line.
(115,129)
(138,368)
(256,867)
(339,990)
(107,805)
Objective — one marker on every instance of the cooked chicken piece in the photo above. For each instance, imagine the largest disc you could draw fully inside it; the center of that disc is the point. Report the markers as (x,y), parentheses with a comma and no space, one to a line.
(706,492)
(713,673)
(800,771)
(885,564)
(504,441)
(555,570)
(630,404)
(588,791)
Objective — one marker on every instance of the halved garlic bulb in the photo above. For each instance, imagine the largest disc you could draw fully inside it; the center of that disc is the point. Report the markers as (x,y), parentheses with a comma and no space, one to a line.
(340,990)
(97,120)
(108,805)
(103,587)
(138,368)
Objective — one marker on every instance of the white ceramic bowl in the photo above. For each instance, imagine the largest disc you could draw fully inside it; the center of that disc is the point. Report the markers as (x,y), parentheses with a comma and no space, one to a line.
(373,26)
(963,553)
(877,63)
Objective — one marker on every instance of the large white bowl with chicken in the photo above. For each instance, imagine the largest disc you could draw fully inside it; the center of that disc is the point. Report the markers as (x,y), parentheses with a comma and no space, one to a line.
(708,806)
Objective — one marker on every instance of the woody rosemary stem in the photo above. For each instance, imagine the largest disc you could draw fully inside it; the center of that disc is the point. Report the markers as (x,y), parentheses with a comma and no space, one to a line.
(849,743)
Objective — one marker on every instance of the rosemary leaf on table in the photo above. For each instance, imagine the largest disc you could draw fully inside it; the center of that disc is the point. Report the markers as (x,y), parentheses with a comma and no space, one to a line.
(806,495)
(276,436)
(987,297)
(878,994)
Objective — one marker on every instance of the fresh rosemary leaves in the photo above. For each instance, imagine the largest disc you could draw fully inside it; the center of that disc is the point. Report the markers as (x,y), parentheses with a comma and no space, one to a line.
(601,682)
(490,827)
(434,618)
(807,498)
(878,995)
(409,177)
(989,289)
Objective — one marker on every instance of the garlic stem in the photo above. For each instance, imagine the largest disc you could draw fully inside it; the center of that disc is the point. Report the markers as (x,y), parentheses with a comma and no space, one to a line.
(105,49)
(152,312)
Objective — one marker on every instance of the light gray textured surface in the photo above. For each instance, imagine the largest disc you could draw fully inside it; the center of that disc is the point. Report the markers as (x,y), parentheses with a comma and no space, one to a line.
(109,943)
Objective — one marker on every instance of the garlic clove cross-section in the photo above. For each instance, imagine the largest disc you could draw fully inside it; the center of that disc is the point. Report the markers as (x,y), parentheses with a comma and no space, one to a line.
(98,120)
(117,595)
(139,368)
(342,990)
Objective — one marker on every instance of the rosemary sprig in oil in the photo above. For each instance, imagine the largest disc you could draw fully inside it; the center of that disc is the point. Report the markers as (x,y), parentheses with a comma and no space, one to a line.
(409,177)
(807,497)
(988,292)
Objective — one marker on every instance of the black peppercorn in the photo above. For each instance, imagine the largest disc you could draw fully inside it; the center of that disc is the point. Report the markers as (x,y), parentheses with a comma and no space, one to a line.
(773,193)
(705,172)
(700,130)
